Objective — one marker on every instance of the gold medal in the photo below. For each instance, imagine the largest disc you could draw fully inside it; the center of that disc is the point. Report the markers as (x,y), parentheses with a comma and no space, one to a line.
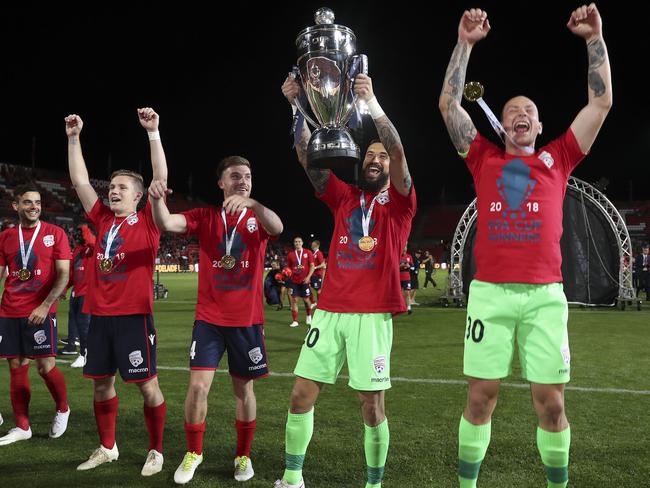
(473,91)
(300,266)
(24,274)
(228,262)
(366,243)
(106,265)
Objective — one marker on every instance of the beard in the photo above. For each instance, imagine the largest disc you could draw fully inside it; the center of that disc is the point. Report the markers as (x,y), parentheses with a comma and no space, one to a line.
(373,186)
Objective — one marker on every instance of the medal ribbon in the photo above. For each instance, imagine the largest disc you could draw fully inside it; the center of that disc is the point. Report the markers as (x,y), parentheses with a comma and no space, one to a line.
(25,255)
(112,233)
(365,217)
(231,238)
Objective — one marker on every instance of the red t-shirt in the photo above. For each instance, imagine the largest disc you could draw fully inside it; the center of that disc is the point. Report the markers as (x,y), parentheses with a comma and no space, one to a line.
(519,204)
(82,261)
(20,298)
(229,297)
(359,281)
(298,275)
(127,289)
(319,258)
(405,263)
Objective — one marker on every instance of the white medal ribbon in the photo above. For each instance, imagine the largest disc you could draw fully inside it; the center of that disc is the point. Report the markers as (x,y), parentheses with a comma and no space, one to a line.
(25,255)
(231,238)
(499,129)
(298,257)
(112,233)
(365,217)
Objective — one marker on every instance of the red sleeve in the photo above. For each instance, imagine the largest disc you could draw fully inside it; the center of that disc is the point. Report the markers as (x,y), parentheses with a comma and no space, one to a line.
(193,219)
(567,149)
(335,191)
(88,236)
(479,150)
(310,257)
(147,211)
(405,205)
(62,248)
(3,259)
(98,212)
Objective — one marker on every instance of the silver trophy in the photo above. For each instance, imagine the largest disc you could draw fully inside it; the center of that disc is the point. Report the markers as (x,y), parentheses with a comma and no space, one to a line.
(327,65)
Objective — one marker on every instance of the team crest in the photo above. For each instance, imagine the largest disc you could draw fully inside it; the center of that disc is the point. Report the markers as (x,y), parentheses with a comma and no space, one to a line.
(132,220)
(40,337)
(382,198)
(255,354)
(48,240)
(0,338)
(566,355)
(547,159)
(251,225)
(380,364)
(136,358)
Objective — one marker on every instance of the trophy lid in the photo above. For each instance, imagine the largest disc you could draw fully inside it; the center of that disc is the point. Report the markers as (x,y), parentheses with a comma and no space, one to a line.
(326,35)
(324,15)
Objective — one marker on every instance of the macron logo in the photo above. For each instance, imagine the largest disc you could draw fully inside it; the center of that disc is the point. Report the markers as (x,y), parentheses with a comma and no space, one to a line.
(151,338)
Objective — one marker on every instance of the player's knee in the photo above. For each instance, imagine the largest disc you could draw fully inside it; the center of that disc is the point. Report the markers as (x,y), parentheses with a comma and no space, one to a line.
(480,407)
(551,409)
(198,391)
(301,401)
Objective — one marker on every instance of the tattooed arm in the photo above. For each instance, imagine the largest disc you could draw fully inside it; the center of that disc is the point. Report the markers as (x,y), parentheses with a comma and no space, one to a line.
(317,176)
(473,27)
(398,169)
(585,22)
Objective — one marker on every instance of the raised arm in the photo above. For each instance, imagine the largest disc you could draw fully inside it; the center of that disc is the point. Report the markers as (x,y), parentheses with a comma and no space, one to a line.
(150,120)
(317,176)
(267,217)
(165,221)
(76,164)
(398,169)
(473,27)
(585,22)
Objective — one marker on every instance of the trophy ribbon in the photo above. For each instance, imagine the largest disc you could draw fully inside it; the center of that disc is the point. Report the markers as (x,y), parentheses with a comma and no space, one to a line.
(25,255)
(230,238)
(473,92)
(112,233)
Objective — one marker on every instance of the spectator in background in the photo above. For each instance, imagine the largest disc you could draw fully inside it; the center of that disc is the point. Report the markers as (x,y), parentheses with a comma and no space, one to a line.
(428,269)
(414,272)
(642,265)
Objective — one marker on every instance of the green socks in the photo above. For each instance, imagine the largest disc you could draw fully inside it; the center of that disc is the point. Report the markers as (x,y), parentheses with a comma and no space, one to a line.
(473,441)
(300,427)
(375,444)
(554,450)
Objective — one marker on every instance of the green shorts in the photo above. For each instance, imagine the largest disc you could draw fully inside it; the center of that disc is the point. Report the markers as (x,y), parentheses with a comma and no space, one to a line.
(536,315)
(364,338)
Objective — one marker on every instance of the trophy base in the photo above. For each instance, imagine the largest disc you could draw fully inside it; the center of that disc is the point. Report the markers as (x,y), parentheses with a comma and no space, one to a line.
(332,148)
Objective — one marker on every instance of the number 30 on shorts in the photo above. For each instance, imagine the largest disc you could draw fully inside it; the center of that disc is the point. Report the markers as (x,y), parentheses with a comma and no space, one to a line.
(475,329)
(312,337)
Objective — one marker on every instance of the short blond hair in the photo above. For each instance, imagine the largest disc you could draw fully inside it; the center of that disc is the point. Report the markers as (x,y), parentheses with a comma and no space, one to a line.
(139,180)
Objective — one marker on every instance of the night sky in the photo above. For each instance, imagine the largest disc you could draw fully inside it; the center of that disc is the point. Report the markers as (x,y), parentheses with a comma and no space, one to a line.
(215,81)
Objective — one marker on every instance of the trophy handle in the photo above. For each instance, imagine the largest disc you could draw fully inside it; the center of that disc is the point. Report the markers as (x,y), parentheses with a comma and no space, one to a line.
(295,74)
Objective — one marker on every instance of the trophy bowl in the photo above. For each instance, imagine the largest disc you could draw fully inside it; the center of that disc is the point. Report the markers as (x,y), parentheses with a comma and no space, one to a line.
(327,65)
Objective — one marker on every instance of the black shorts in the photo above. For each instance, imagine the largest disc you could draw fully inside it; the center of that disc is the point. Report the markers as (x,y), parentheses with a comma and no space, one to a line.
(415,285)
(245,346)
(18,338)
(298,289)
(124,342)
(406,285)
(316,282)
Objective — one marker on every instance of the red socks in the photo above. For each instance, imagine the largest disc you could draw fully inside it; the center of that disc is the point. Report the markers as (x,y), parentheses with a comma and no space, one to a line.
(194,436)
(55,382)
(294,314)
(105,416)
(245,434)
(154,417)
(20,394)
